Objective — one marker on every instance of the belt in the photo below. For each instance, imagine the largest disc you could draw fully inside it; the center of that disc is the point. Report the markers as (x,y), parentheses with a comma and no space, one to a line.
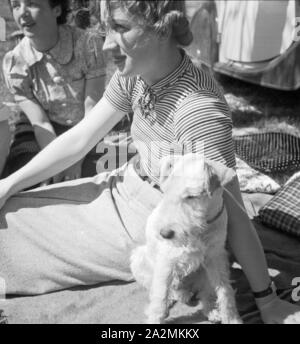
(142,174)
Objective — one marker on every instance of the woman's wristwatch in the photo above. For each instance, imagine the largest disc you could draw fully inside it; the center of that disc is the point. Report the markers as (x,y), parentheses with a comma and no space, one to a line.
(264,293)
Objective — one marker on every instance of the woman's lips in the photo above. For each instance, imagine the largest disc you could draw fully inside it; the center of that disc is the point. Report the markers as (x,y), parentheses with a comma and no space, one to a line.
(119,60)
(27,25)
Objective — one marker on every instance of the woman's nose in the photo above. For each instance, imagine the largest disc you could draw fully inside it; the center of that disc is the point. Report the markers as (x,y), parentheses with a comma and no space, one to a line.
(23,10)
(109,43)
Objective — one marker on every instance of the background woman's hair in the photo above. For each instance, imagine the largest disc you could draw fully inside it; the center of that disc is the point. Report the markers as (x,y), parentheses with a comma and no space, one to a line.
(65,9)
(162,16)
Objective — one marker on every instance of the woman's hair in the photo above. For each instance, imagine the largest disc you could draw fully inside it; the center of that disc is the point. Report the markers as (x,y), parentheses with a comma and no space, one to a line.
(65,9)
(161,16)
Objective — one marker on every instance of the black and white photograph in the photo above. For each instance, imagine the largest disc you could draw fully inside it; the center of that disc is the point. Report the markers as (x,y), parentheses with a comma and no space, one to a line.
(149,164)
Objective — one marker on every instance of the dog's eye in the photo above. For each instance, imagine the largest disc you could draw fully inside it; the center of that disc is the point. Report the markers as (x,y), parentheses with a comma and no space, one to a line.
(190,197)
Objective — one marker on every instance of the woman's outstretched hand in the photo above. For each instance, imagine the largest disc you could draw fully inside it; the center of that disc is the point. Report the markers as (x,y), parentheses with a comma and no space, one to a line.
(278,311)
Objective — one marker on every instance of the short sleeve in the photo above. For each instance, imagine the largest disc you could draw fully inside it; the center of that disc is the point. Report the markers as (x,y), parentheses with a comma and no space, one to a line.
(17,77)
(203,123)
(118,92)
(94,62)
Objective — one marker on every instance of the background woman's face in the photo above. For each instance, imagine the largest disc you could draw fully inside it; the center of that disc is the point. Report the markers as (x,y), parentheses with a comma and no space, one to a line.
(132,48)
(35,18)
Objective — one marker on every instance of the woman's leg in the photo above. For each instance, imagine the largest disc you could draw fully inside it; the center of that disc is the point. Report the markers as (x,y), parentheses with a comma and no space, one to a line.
(75,233)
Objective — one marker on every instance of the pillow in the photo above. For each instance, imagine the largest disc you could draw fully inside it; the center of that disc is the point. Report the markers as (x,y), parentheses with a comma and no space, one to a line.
(283,210)
(253,181)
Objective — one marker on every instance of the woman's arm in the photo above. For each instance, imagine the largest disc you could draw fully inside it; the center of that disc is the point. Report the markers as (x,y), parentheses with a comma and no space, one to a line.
(248,251)
(94,89)
(66,149)
(244,240)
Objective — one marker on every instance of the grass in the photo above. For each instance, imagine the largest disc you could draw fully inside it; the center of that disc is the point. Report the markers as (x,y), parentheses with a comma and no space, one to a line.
(254,108)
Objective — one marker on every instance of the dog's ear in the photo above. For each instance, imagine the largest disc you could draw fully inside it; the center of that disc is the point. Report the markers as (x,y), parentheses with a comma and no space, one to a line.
(166,167)
(213,182)
(220,172)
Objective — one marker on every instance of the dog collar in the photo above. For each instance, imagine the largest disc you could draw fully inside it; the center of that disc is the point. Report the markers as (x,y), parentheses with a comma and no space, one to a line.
(215,218)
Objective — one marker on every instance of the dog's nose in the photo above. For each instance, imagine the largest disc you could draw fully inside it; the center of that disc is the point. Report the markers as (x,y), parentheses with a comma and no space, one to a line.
(167,233)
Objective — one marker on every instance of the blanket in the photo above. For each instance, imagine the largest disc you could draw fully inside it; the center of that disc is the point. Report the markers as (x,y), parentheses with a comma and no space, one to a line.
(124,303)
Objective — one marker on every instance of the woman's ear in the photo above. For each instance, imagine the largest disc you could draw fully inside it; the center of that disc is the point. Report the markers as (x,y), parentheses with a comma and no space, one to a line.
(57,11)
(166,167)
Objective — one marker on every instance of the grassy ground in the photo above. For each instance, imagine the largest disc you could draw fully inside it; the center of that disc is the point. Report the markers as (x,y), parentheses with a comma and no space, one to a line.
(254,108)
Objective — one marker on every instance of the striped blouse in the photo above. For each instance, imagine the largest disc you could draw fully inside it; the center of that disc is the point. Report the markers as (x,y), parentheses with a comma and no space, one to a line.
(184,112)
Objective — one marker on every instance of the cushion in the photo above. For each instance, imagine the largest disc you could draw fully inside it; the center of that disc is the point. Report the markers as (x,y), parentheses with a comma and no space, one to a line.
(253,181)
(283,210)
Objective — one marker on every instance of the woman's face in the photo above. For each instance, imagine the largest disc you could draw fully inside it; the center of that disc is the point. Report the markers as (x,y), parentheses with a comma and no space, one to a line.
(132,47)
(35,18)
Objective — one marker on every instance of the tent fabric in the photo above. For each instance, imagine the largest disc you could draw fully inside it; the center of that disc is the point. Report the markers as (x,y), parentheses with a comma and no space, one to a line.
(234,38)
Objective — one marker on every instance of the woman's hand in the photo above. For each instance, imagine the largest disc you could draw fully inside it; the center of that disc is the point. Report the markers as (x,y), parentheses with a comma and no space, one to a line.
(278,311)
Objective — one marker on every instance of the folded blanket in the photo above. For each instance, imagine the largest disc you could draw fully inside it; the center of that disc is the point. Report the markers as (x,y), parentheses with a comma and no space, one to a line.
(120,303)
(253,181)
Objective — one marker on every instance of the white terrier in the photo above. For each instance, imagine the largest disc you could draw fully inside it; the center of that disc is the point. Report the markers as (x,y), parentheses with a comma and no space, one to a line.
(185,254)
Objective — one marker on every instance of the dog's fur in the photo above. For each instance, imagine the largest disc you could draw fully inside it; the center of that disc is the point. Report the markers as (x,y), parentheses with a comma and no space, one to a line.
(185,254)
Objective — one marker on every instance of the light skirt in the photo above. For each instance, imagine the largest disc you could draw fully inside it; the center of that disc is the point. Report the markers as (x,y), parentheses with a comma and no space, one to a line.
(74,233)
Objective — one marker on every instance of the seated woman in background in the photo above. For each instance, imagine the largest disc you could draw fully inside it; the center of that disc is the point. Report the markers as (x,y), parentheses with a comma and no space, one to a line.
(56,74)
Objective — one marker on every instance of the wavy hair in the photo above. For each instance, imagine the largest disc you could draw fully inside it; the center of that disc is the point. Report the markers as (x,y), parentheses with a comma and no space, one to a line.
(161,16)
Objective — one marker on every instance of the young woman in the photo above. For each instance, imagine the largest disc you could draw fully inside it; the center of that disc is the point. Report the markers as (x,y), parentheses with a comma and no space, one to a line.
(82,232)
(56,74)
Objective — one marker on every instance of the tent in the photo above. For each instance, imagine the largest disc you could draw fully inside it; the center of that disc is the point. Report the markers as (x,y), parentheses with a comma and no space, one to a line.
(257,41)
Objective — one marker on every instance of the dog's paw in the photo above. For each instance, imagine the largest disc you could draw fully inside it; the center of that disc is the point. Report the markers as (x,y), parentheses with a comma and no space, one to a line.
(155,320)
(235,321)
(214,316)
(292,319)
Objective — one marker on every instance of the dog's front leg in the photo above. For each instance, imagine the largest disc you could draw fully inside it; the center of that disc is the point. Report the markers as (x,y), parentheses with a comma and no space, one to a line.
(159,304)
(218,274)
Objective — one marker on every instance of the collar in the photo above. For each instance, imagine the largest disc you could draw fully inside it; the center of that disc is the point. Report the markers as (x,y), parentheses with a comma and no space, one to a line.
(215,218)
(62,52)
(173,76)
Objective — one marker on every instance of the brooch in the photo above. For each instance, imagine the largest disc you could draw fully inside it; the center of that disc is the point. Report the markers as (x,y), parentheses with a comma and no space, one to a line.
(147,104)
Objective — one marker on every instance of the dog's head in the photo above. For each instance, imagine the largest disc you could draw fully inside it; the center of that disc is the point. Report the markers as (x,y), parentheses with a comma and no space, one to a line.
(191,186)
(193,175)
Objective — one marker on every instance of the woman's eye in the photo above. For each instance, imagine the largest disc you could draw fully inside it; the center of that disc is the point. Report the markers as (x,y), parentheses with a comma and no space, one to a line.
(33,4)
(15,4)
(119,28)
